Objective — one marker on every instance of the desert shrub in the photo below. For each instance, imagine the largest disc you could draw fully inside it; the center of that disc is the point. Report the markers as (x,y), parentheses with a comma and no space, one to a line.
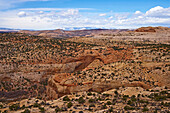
(81,100)
(5,111)
(42,110)
(167,104)
(89,93)
(111,110)
(133,98)
(129,102)
(109,103)
(14,107)
(164,92)
(104,106)
(57,109)
(69,105)
(99,99)
(125,97)
(116,92)
(145,109)
(91,105)
(91,100)
(106,95)
(139,95)
(158,68)
(36,105)
(143,101)
(129,108)
(1,106)
(66,98)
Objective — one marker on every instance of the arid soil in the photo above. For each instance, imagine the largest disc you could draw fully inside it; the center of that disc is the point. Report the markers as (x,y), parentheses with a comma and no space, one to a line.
(85,71)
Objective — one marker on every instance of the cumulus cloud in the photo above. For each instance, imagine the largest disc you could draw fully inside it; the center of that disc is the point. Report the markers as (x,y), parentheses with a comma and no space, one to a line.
(155,9)
(138,12)
(70,12)
(111,17)
(158,12)
(40,12)
(21,14)
(121,16)
(103,14)
(47,18)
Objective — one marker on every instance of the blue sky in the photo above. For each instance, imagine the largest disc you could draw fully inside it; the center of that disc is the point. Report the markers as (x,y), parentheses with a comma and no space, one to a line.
(54,14)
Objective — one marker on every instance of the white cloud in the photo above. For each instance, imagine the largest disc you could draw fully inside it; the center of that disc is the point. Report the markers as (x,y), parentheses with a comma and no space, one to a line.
(47,18)
(158,12)
(120,16)
(21,14)
(103,14)
(155,9)
(111,17)
(41,12)
(138,12)
(70,12)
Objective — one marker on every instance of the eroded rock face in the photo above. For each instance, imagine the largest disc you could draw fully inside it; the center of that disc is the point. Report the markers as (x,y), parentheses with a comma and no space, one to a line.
(64,82)
(69,67)
(85,61)
(152,29)
(97,59)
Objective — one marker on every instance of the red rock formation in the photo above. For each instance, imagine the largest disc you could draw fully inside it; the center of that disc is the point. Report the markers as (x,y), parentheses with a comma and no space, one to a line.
(63,83)
(152,29)
(108,56)
(137,84)
(146,29)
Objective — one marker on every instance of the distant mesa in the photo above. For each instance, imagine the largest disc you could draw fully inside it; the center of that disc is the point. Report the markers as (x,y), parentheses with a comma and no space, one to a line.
(152,29)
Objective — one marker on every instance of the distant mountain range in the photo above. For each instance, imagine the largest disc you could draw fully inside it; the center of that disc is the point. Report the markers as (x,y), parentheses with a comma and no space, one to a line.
(80,28)
(4,30)
(65,28)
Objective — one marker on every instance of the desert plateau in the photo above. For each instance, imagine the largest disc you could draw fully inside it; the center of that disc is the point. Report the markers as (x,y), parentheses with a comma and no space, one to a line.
(85,71)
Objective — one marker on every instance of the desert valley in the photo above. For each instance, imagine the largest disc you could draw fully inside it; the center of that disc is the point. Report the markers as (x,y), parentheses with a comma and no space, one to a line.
(83,71)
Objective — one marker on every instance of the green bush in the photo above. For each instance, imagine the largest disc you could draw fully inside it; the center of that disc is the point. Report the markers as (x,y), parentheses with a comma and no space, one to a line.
(57,109)
(129,108)
(91,100)
(104,106)
(106,95)
(145,109)
(109,103)
(81,100)
(116,92)
(130,102)
(125,97)
(111,110)
(1,106)
(143,101)
(91,105)
(36,105)
(89,93)
(26,111)
(69,105)
(14,107)
(42,110)
(66,98)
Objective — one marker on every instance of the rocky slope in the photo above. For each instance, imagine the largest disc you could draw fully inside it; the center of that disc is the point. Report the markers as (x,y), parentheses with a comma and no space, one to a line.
(114,76)
(116,72)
